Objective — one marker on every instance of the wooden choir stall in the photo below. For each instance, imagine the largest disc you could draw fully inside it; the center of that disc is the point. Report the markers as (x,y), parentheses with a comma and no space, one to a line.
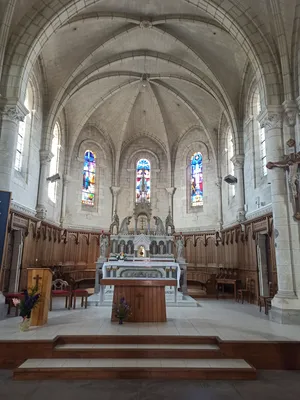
(146,297)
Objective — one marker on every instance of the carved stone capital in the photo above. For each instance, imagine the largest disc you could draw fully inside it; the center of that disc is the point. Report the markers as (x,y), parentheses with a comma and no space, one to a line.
(290,109)
(13,112)
(67,179)
(45,156)
(238,160)
(115,190)
(218,182)
(171,191)
(41,212)
(271,118)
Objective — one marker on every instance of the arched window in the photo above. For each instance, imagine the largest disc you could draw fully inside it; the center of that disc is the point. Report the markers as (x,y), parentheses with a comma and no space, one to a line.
(196,180)
(24,129)
(88,183)
(230,163)
(54,164)
(143,172)
(262,135)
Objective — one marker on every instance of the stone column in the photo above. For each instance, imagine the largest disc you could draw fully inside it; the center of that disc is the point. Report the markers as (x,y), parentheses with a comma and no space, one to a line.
(115,193)
(11,115)
(171,191)
(238,162)
(220,209)
(45,158)
(66,181)
(285,305)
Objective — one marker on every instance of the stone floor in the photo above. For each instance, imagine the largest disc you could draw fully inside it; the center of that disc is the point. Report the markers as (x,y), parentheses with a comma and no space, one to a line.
(222,318)
(270,385)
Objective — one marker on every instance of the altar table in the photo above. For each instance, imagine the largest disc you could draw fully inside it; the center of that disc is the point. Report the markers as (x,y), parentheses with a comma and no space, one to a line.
(146,297)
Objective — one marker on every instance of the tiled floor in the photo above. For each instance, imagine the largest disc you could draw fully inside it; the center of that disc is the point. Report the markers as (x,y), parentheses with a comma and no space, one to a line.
(270,385)
(224,318)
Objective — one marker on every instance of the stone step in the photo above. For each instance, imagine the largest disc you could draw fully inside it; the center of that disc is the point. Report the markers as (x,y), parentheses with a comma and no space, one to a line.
(107,368)
(83,346)
(87,350)
(136,339)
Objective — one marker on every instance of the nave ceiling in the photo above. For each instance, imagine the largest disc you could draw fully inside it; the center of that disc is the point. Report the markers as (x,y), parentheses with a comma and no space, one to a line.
(155,68)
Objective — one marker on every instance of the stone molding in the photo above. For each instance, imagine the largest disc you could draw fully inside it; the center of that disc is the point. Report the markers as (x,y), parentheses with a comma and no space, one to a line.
(260,212)
(22,209)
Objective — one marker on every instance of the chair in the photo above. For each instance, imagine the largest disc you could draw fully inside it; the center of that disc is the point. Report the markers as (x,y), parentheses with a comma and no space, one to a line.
(9,300)
(84,294)
(265,301)
(248,291)
(61,288)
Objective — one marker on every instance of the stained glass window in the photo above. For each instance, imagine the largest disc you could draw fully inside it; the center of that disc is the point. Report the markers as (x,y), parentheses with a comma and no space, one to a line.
(143,172)
(88,183)
(196,180)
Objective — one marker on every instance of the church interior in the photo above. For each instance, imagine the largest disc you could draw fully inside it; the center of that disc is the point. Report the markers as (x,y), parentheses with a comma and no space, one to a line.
(149,174)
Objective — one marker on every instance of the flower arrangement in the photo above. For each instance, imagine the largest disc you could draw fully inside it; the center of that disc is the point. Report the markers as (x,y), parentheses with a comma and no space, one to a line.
(121,257)
(122,310)
(26,305)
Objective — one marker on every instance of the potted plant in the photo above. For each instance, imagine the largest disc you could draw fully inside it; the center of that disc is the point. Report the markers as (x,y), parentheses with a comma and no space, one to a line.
(26,305)
(122,310)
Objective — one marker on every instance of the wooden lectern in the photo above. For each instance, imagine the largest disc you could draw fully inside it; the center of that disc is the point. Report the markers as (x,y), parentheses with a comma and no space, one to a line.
(42,278)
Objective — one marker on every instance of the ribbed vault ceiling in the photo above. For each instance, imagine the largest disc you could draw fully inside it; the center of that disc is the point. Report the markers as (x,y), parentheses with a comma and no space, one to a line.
(137,67)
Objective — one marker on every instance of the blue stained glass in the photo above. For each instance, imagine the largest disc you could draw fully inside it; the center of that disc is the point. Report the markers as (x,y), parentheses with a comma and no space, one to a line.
(88,182)
(143,172)
(196,180)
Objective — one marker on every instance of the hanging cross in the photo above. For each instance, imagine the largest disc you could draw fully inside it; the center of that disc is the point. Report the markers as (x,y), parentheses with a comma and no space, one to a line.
(291,164)
(37,278)
(139,296)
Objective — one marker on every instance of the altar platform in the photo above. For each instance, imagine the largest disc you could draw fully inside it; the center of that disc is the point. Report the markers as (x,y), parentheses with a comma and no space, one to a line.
(218,340)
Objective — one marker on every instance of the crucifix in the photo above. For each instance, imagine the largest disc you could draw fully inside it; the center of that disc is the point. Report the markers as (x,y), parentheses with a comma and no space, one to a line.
(139,296)
(291,165)
(37,278)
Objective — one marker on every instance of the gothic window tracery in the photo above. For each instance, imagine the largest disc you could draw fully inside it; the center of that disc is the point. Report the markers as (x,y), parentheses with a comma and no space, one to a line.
(88,183)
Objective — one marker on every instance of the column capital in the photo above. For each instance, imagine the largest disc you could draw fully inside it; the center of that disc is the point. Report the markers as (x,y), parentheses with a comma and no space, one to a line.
(45,156)
(67,179)
(271,117)
(171,190)
(12,111)
(290,109)
(218,182)
(115,190)
(238,160)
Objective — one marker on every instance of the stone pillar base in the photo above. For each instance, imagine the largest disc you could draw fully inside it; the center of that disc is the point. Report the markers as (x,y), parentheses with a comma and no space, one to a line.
(285,311)
(3,307)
